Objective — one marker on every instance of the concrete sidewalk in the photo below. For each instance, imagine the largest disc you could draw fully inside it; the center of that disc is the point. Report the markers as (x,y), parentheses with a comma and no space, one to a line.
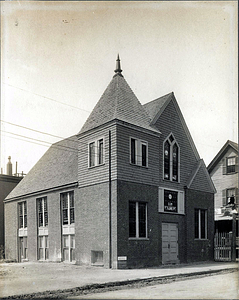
(28,278)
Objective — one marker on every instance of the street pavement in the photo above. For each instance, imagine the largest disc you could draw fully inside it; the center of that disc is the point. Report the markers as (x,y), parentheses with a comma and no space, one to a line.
(34,277)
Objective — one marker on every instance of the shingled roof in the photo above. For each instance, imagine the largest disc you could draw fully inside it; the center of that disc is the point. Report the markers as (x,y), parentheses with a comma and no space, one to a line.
(157,105)
(118,102)
(57,167)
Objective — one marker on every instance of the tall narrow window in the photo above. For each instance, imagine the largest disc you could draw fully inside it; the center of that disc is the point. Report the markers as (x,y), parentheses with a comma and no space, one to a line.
(23,214)
(67,203)
(200,225)
(92,154)
(42,212)
(100,151)
(167,160)
(171,159)
(144,154)
(133,151)
(137,220)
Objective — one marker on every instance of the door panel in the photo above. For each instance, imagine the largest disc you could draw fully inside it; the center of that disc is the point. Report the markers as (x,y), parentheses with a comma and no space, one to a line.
(169,243)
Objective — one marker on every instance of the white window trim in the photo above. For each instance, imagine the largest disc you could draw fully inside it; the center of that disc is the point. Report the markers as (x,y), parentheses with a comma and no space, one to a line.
(43,247)
(199,225)
(171,158)
(69,225)
(180,201)
(137,237)
(96,141)
(43,209)
(138,152)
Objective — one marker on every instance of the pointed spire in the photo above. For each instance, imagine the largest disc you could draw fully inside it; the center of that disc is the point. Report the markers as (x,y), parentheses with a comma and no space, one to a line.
(118,69)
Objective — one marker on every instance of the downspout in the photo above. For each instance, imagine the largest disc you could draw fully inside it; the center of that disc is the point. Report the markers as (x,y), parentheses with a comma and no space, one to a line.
(110,240)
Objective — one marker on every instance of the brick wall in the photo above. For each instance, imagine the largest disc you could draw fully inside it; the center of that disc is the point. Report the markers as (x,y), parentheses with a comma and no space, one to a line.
(139,252)
(92,228)
(199,250)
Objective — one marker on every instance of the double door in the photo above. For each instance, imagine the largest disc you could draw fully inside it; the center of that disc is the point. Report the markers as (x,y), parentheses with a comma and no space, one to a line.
(170,243)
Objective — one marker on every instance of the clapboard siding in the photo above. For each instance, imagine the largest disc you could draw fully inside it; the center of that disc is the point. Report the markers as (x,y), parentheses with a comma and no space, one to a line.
(134,173)
(168,122)
(99,174)
(200,181)
(222,182)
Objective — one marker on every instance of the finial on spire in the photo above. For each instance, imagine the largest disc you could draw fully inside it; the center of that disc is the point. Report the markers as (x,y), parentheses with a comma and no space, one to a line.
(118,69)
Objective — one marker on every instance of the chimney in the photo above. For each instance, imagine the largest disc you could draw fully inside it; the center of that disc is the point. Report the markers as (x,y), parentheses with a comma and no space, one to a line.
(16,168)
(9,166)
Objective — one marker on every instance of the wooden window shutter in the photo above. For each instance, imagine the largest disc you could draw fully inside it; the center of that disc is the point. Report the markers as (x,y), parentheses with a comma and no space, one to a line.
(224,197)
(160,200)
(181,202)
(236,166)
(224,166)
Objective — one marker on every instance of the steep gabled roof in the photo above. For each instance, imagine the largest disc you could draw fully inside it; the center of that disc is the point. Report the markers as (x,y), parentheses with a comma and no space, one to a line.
(118,102)
(229,144)
(155,109)
(157,106)
(57,167)
(200,177)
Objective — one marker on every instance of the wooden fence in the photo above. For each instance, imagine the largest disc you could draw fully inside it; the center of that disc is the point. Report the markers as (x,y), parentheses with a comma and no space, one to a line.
(223,246)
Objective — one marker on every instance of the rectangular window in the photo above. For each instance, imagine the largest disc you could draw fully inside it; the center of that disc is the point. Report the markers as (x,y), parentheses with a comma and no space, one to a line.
(231,164)
(138,152)
(68,247)
(96,153)
(137,220)
(200,217)
(22,214)
(42,212)
(68,208)
(92,154)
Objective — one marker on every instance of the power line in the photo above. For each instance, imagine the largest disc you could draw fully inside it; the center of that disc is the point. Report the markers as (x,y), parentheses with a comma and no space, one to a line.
(36,130)
(75,150)
(72,106)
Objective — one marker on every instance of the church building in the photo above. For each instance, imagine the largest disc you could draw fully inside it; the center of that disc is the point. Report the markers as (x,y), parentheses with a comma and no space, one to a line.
(129,190)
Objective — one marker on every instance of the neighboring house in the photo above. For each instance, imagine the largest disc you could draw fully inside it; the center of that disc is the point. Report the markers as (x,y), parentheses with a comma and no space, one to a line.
(223,170)
(7,184)
(129,190)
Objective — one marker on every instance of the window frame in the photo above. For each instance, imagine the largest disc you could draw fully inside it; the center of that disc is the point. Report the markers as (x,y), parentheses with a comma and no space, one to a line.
(198,226)
(68,208)
(230,166)
(22,208)
(172,142)
(137,220)
(43,201)
(137,159)
(97,158)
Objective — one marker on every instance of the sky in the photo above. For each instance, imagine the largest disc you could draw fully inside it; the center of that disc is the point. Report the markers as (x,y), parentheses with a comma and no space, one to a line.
(57,58)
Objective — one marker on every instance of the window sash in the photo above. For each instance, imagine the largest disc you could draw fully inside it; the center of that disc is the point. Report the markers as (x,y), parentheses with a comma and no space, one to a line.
(171,159)
(200,223)
(22,214)
(137,219)
(68,208)
(138,152)
(92,154)
(42,212)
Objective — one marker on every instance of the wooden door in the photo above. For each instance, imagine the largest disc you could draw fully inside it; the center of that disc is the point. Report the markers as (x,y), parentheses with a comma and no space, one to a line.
(169,243)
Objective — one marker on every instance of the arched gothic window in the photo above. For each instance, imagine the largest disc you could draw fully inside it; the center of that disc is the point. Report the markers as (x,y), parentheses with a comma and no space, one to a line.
(171,159)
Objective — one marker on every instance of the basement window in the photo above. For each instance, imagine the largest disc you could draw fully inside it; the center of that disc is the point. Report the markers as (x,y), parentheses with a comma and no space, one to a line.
(97,258)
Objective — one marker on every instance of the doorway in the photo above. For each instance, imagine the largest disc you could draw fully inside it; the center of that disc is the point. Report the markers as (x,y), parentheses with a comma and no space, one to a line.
(170,243)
